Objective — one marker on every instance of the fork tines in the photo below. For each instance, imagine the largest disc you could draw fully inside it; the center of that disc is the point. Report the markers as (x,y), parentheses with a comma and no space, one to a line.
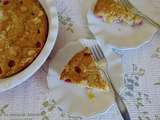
(95,48)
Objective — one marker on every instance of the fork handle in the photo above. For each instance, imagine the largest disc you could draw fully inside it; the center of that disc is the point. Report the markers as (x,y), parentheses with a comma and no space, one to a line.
(121,106)
(148,19)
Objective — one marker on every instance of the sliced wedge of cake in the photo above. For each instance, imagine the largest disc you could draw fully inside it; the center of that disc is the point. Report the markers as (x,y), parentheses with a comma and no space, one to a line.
(113,11)
(82,70)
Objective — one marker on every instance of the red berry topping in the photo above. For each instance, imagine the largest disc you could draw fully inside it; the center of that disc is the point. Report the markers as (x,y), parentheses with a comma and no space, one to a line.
(11,63)
(38,45)
(0,70)
(5,2)
(68,81)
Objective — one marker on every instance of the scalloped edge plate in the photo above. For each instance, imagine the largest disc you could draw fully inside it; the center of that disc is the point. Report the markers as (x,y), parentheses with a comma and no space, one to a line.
(72,98)
(119,35)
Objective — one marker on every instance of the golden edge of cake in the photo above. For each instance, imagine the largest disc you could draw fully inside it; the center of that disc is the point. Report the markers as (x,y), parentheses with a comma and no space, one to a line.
(112,11)
(23,50)
(82,71)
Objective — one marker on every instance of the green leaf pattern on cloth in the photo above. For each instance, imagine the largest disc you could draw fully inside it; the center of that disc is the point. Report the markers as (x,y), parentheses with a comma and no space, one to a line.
(133,94)
(156,54)
(131,86)
(3,109)
(49,106)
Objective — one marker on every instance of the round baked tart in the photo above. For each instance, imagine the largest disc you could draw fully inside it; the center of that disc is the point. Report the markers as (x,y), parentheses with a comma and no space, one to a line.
(23,33)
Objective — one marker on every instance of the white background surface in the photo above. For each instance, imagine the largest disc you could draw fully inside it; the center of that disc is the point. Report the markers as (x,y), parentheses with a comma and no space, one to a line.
(29,97)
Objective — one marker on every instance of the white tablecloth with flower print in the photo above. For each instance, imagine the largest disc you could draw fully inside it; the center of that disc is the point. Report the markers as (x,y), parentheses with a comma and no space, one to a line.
(29,101)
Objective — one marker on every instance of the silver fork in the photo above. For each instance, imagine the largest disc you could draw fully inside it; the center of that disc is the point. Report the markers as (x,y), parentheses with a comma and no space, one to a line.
(99,57)
(129,5)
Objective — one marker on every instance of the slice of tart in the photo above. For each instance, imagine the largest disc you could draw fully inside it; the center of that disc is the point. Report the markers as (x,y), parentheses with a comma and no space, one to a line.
(82,70)
(113,11)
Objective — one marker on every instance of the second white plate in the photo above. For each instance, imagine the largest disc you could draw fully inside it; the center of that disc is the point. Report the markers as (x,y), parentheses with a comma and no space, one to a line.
(119,35)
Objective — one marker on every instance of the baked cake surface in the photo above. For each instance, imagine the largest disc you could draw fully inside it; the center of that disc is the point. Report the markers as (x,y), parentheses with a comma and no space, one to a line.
(113,11)
(23,33)
(82,70)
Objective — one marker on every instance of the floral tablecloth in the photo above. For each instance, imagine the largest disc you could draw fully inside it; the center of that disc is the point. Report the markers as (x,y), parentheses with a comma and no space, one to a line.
(32,101)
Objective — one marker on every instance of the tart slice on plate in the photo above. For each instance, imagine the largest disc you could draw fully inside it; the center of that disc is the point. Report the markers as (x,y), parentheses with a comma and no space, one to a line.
(73,97)
(113,11)
(117,25)
(82,70)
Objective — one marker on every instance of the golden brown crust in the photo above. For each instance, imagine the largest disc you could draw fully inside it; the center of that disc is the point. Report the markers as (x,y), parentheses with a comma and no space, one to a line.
(23,33)
(82,70)
(113,11)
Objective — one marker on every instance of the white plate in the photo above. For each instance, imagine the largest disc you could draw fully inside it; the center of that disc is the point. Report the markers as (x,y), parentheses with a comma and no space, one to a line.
(119,35)
(8,83)
(72,98)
